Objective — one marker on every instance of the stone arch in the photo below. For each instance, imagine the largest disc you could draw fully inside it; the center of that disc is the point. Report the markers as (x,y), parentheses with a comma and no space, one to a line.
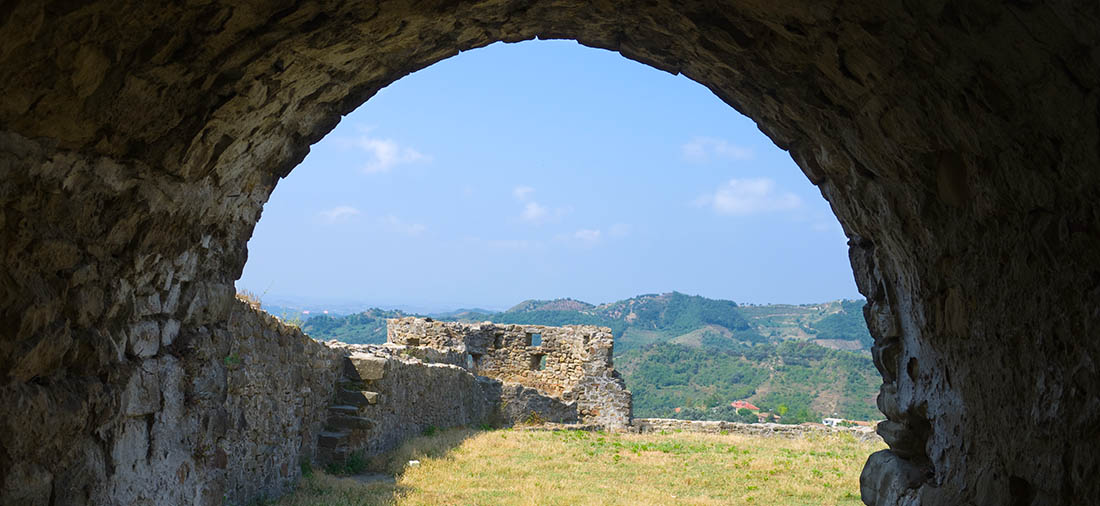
(957,145)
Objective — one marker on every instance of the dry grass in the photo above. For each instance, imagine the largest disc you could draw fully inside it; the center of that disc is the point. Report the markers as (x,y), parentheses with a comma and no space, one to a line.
(249,298)
(518,467)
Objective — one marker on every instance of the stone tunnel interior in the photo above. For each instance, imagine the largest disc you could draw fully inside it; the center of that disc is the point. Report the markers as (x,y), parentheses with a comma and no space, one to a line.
(957,144)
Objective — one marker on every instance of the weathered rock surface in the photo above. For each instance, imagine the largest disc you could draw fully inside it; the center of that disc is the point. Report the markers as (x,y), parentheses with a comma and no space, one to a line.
(225,415)
(442,374)
(570,365)
(384,397)
(957,142)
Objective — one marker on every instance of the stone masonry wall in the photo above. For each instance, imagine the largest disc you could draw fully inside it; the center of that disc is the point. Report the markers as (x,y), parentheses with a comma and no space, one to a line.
(218,414)
(753,429)
(278,382)
(384,397)
(572,363)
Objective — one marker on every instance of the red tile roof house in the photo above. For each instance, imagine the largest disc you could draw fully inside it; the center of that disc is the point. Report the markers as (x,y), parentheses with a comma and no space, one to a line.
(744,404)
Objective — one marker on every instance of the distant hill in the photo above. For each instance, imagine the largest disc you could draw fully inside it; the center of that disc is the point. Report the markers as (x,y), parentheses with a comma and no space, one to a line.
(461,313)
(698,354)
(837,324)
(368,327)
(640,320)
(802,380)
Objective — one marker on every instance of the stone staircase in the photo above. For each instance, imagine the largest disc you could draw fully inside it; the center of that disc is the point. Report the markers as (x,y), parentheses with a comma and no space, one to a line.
(349,419)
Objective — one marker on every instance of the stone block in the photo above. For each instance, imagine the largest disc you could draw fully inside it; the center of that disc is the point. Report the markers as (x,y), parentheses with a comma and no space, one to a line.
(350,397)
(169,331)
(369,367)
(145,339)
(340,423)
(332,439)
(142,393)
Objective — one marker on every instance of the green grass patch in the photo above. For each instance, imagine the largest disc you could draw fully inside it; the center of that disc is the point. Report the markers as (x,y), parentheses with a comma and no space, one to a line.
(507,466)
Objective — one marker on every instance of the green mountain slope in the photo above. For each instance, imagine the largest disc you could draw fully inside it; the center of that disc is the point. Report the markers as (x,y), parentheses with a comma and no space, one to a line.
(640,320)
(801,379)
(837,324)
(368,327)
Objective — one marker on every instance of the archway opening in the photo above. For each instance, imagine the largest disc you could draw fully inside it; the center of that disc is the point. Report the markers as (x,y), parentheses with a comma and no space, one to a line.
(600,193)
(140,141)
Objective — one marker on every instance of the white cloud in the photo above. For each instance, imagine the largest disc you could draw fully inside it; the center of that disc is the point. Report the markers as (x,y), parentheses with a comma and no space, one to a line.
(587,235)
(409,229)
(741,197)
(620,230)
(534,212)
(522,193)
(385,154)
(703,149)
(339,213)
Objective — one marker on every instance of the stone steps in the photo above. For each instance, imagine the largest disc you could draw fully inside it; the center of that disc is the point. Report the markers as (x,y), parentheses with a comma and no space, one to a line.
(356,397)
(345,422)
(337,423)
(332,439)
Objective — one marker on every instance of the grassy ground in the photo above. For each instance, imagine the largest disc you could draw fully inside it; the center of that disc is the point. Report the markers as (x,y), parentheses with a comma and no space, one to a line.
(569,467)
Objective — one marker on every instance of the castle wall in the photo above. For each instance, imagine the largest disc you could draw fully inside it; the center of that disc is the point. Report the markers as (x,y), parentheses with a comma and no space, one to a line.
(383,397)
(572,363)
(215,414)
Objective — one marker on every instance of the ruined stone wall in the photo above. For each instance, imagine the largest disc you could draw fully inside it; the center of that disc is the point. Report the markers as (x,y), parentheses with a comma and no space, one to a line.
(389,393)
(211,415)
(278,383)
(752,429)
(573,362)
(384,397)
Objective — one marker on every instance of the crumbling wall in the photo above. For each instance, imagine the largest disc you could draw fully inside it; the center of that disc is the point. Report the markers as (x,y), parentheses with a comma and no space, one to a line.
(384,397)
(277,384)
(215,414)
(645,425)
(572,363)
(389,393)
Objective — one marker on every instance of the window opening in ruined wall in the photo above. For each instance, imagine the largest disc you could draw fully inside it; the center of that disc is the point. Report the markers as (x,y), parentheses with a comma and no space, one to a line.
(538,361)
(473,361)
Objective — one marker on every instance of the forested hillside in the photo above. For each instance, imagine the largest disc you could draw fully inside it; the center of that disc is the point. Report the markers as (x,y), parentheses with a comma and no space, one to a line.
(799,380)
(368,327)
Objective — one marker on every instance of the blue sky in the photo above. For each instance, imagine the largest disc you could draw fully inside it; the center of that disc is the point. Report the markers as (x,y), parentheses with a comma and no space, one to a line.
(545,169)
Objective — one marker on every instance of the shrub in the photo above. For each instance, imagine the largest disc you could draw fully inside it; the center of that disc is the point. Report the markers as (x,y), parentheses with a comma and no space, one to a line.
(353,464)
(534,419)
